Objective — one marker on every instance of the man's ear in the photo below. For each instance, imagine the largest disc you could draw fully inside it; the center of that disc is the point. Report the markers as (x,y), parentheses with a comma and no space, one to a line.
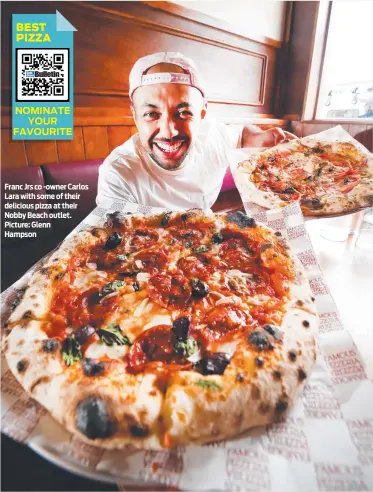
(132,110)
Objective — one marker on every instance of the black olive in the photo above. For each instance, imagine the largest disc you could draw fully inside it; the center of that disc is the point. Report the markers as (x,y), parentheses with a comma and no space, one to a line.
(113,219)
(50,345)
(93,419)
(217,238)
(274,331)
(92,368)
(278,233)
(312,203)
(136,286)
(128,274)
(180,328)
(114,240)
(259,339)
(241,219)
(271,159)
(212,363)
(289,191)
(184,217)
(83,333)
(199,289)
(165,219)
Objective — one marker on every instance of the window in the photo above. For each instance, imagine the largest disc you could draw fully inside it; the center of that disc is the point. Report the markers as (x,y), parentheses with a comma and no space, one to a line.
(346,89)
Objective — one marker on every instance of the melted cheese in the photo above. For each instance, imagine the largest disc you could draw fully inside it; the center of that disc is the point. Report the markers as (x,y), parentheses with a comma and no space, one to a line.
(97,350)
(141,307)
(83,281)
(228,347)
(159,319)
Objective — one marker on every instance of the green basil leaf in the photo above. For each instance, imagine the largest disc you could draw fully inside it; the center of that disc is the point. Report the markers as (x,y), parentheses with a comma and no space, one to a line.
(201,249)
(205,383)
(111,287)
(71,350)
(122,257)
(185,348)
(112,335)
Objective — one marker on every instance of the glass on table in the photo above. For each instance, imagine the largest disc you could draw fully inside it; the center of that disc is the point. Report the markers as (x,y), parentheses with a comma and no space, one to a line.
(339,228)
(364,239)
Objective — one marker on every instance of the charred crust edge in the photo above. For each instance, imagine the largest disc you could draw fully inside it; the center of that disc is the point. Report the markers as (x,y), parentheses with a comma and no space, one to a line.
(22,365)
(93,418)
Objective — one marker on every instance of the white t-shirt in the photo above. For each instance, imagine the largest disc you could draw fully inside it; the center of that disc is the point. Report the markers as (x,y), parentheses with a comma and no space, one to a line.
(130,174)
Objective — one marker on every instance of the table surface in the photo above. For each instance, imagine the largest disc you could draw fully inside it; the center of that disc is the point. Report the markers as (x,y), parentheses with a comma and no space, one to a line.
(348,273)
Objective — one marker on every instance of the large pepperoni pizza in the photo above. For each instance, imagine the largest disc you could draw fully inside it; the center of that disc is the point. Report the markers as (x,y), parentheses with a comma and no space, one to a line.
(165,330)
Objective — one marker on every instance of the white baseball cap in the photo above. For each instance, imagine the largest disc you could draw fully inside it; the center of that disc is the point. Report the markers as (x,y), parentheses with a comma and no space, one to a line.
(139,77)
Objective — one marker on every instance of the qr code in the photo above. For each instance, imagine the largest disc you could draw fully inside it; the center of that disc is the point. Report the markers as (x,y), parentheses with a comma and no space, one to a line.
(42,75)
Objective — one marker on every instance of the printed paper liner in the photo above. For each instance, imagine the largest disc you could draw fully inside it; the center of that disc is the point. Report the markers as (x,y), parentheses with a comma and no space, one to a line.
(325,443)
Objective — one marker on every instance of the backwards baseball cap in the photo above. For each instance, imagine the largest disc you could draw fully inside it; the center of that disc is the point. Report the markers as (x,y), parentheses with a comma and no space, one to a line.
(191,75)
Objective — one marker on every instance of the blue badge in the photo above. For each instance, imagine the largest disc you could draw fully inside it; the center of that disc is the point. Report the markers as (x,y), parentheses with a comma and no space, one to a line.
(42,77)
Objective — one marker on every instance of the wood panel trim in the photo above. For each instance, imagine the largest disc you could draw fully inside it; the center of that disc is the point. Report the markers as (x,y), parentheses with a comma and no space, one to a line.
(207,20)
(19,153)
(363,121)
(125,17)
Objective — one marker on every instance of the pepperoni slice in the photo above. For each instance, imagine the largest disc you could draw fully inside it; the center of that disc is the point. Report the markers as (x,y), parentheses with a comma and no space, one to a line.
(196,266)
(223,320)
(88,308)
(239,260)
(154,345)
(187,235)
(151,260)
(166,289)
(144,237)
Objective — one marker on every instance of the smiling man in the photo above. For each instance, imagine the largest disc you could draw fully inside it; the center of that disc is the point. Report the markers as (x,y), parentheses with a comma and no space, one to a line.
(178,158)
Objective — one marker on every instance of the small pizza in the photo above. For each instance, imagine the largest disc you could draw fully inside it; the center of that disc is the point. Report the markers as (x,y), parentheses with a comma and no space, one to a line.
(165,330)
(326,178)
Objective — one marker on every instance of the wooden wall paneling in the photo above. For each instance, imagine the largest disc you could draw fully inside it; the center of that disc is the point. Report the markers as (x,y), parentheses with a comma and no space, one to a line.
(239,71)
(13,153)
(95,142)
(117,135)
(41,152)
(72,150)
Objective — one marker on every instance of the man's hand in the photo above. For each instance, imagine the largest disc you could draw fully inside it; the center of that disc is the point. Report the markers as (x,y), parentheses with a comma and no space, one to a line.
(254,137)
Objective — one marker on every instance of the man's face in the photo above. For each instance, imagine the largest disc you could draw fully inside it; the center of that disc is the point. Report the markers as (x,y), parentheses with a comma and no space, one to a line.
(168,118)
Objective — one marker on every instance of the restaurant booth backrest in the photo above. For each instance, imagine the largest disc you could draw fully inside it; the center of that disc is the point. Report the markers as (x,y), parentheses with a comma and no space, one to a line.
(20,254)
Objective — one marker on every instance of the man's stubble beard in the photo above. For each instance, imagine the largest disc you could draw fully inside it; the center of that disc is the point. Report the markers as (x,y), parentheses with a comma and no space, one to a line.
(172,167)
